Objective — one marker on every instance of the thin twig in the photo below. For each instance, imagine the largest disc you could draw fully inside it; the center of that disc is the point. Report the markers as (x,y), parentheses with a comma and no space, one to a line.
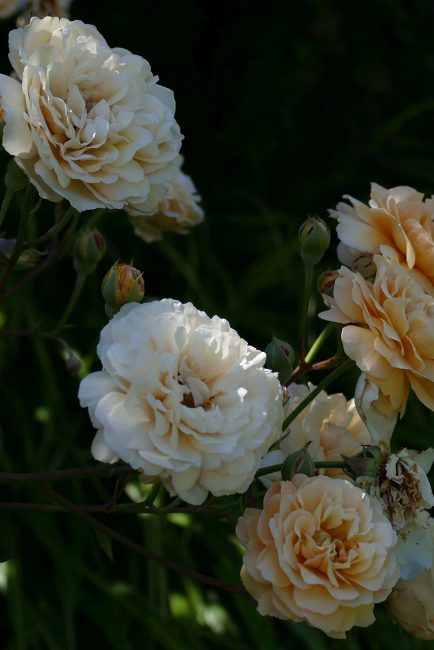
(100,471)
(141,550)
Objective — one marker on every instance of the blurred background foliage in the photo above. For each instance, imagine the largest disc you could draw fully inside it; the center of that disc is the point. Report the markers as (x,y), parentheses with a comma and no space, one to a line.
(285,107)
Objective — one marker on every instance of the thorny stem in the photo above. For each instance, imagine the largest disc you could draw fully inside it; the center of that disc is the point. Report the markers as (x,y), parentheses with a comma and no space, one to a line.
(5,205)
(51,232)
(101,470)
(19,246)
(51,257)
(219,510)
(71,304)
(303,368)
(141,550)
(321,464)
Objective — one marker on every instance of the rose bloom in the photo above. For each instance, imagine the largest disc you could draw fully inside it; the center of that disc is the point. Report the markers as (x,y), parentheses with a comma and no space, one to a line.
(182,397)
(331,424)
(178,211)
(389,330)
(10,7)
(319,551)
(397,220)
(86,122)
(412,604)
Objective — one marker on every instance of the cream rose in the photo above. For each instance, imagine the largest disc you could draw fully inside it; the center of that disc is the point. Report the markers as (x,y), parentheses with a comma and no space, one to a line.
(330,423)
(389,331)
(86,122)
(319,551)
(412,603)
(398,220)
(182,397)
(179,211)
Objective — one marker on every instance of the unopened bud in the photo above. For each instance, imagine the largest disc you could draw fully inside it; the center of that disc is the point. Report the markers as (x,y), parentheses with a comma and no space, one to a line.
(326,282)
(123,283)
(15,179)
(89,249)
(314,238)
(298,462)
(366,463)
(280,358)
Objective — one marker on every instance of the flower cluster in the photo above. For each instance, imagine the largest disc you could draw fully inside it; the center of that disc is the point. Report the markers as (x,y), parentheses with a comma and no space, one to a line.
(188,403)
(299,565)
(388,318)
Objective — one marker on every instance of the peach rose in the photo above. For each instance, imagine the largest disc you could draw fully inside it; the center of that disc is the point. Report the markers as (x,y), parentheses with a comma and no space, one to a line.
(396,220)
(319,551)
(412,603)
(330,422)
(389,331)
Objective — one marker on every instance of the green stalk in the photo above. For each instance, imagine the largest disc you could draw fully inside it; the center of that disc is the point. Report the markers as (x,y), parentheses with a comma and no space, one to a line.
(308,279)
(321,464)
(318,343)
(51,232)
(71,304)
(5,205)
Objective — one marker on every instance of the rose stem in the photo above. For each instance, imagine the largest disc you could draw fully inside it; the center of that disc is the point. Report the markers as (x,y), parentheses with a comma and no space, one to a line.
(141,550)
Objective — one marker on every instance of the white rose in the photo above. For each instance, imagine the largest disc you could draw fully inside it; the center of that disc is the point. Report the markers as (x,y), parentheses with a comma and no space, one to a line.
(86,122)
(183,397)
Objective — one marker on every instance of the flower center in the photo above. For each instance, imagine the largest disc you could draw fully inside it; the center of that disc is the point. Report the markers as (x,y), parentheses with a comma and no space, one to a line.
(195,391)
(321,537)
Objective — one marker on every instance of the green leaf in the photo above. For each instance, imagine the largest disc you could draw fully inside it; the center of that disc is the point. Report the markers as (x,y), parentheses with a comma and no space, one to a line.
(105,543)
